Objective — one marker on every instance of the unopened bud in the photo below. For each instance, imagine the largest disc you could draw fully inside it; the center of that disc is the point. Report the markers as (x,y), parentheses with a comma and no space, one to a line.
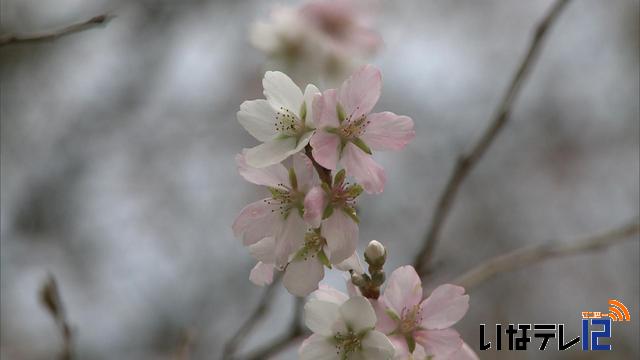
(375,254)
(358,279)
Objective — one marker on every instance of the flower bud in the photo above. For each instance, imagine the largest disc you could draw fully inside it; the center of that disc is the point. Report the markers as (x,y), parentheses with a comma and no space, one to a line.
(375,254)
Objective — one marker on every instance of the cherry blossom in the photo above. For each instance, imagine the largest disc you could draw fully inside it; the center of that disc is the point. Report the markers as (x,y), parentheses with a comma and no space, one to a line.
(282,121)
(347,131)
(410,321)
(343,329)
(279,216)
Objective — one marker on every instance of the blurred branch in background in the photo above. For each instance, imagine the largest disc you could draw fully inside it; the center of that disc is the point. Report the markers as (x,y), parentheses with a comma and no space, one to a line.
(467,162)
(531,255)
(294,332)
(8,39)
(52,301)
(258,314)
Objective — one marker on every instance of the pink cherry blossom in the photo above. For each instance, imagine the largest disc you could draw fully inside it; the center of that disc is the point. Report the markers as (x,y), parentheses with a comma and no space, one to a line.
(280,215)
(347,131)
(410,321)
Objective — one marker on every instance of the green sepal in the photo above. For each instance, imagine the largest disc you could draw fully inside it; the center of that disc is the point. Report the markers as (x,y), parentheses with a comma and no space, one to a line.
(339,178)
(327,212)
(332,130)
(411,342)
(293,179)
(359,143)
(355,190)
(392,314)
(352,213)
(326,187)
(303,111)
(324,259)
(340,112)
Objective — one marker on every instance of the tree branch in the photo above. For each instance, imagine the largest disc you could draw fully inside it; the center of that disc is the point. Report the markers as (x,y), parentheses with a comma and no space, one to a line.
(254,319)
(466,163)
(8,39)
(294,333)
(50,298)
(534,254)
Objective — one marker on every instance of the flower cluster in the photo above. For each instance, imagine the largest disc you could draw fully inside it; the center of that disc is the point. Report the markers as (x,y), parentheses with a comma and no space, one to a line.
(309,221)
(313,142)
(399,325)
(320,37)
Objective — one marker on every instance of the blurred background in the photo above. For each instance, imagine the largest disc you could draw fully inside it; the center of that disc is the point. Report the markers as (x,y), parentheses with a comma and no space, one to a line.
(118,175)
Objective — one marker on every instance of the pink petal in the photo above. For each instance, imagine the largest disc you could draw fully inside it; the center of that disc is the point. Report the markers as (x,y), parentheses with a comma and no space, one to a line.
(314,204)
(446,305)
(302,277)
(257,221)
(264,250)
(388,131)
(360,92)
(385,323)
(401,347)
(326,149)
(341,233)
(327,293)
(305,173)
(361,166)
(464,353)
(271,176)
(290,238)
(404,289)
(439,343)
(324,110)
(261,274)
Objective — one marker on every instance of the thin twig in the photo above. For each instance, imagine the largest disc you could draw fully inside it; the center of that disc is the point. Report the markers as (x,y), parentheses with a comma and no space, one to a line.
(323,173)
(7,39)
(50,298)
(294,333)
(254,319)
(466,163)
(531,255)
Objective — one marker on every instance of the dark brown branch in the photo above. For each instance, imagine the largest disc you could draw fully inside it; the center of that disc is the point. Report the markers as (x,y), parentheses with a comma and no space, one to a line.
(254,319)
(324,174)
(8,39)
(466,163)
(52,301)
(531,255)
(294,333)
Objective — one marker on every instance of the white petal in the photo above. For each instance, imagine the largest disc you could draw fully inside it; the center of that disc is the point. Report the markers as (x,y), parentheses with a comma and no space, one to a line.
(257,117)
(327,293)
(272,175)
(261,274)
(310,93)
(302,277)
(341,233)
(358,313)
(264,250)
(321,316)
(351,263)
(376,346)
(271,152)
(317,347)
(290,238)
(281,91)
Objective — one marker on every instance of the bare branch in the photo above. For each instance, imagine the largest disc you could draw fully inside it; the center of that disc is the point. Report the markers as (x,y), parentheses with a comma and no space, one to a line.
(52,301)
(8,39)
(531,255)
(466,163)
(254,319)
(293,334)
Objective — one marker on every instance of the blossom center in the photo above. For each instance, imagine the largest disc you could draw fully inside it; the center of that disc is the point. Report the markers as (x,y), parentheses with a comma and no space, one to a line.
(285,199)
(313,244)
(288,124)
(350,129)
(347,343)
(410,319)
